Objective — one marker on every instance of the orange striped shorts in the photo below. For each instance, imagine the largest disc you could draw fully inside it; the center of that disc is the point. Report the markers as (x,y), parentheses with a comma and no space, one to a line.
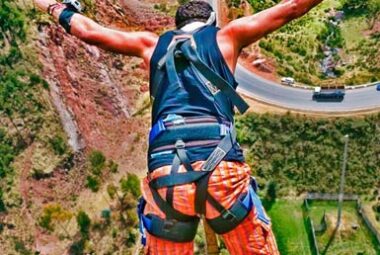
(227,182)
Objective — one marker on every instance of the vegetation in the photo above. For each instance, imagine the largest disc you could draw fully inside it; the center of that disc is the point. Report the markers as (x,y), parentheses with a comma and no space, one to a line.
(299,48)
(93,183)
(97,161)
(59,145)
(356,7)
(54,214)
(353,236)
(305,154)
(7,154)
(288,226)
(376,209)
(131,185)
(84,223)
(22,108)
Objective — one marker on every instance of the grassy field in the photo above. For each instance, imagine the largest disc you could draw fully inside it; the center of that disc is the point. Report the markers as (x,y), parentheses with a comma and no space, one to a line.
(289,228)
(353,237)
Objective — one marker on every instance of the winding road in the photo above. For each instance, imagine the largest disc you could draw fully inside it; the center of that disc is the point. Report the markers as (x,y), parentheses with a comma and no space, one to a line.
(363,99)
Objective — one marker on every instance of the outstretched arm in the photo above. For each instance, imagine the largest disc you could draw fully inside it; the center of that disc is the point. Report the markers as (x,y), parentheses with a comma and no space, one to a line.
(244,31)
(139,44)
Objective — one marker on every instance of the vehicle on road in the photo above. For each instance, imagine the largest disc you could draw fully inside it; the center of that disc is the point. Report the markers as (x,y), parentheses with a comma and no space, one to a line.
(287,81)
(330,92)
(378,87)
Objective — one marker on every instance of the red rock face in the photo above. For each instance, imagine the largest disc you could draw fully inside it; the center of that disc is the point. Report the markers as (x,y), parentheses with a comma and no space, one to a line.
(102,90)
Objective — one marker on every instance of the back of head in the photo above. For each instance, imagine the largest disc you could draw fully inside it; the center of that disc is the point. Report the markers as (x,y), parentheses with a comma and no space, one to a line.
(192,11)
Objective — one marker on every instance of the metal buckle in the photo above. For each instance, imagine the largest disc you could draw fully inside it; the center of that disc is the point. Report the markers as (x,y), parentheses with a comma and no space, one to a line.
(228,215)
(180,144)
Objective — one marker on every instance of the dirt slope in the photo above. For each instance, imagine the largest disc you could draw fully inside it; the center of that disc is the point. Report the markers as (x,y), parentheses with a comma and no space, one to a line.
(102,100)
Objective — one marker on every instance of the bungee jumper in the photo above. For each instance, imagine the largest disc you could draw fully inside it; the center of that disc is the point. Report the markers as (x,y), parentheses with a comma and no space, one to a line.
(196,167)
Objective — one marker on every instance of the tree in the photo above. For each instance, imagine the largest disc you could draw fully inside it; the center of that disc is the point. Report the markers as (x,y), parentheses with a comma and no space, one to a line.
(84,223)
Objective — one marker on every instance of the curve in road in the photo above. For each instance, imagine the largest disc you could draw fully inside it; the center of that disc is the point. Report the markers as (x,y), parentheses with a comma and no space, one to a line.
(363,99)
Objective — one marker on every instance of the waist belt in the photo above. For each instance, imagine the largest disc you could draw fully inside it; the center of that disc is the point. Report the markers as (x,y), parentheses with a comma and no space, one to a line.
(175,127)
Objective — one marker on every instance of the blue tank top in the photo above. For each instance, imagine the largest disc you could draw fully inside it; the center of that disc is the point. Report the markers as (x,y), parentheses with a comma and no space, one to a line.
(192,97)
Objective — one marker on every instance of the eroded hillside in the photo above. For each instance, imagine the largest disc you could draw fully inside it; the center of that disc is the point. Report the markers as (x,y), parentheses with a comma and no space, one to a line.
(72,175)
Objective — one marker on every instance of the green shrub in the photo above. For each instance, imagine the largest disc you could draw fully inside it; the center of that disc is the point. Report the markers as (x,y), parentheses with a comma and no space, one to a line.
(111,190)
(21,248)
(58,144)
(113,166)
(131,185)
(97,161)
(93,183)
(45,221)
(84,223)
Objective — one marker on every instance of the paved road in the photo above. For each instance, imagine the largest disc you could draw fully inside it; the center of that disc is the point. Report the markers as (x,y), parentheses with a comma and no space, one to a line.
(301,99)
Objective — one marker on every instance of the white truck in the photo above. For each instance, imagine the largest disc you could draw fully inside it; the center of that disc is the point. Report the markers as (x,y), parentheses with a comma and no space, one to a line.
(329,92)
(288,81)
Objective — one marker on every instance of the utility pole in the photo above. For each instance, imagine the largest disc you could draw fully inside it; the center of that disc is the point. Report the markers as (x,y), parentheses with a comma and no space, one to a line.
(342,181)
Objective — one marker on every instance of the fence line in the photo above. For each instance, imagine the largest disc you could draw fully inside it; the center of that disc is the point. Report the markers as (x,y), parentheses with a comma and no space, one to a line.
(310,229)
(347,197)
(331,197)
(368,222)
(314,238)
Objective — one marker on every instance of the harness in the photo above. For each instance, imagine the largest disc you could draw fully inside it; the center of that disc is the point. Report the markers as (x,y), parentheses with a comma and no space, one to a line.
(175,134)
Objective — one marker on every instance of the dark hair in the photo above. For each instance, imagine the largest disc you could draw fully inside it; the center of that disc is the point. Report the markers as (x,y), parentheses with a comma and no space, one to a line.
(192,11)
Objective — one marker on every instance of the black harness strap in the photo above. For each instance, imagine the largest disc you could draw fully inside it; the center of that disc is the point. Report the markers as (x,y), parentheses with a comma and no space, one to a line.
(177,179)
(209,166)
(192,56)
(170,191)
(169,211)
(181,153)
(168,61)
(180,157)
(201,194)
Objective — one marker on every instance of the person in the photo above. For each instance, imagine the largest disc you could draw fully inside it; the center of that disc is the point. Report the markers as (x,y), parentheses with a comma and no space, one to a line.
(196,167)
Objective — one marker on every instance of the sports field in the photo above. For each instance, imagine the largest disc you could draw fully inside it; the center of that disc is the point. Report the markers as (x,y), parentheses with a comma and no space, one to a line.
(289,228)
(353,237)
